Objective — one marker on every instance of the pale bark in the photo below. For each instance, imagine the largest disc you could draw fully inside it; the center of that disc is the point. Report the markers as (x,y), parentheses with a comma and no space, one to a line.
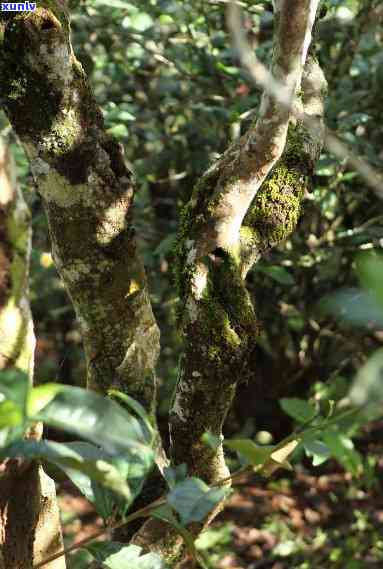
(29,517)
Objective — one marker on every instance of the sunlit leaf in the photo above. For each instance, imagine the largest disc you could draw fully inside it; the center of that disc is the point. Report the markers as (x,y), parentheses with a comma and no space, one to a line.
(368,384)
(253,453)
(193,499)
(318,451)
(298,409)
(75,456)
(114,555)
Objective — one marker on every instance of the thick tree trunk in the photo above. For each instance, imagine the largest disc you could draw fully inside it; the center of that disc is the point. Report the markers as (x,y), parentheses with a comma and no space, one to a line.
(29,517)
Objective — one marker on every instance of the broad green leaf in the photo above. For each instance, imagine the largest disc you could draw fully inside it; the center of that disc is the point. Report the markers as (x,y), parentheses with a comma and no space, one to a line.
(114,555)
(40,396)
(72,456)
(298,409)
(136,407)
(193,499)
(10,414)
(175,475)
(318,451)
(342,448)
(370,271)
(105,500)
(96,418)
(356,306)
(368,384)
(253,453)
(277,273)
(14,386)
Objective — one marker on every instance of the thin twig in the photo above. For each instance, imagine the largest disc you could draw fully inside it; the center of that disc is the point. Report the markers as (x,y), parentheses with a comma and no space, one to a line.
(264,78)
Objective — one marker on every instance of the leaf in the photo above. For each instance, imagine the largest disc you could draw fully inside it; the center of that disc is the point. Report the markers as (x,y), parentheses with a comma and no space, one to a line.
(114,555)
(10,414)
(74,456)
(96,418)
(356,306)
(175,475)
(15,386)
(342,448)
(370,272)
(277,273)
(318,451)
(40,396)
(136,407)
(298,409)
(368,384)
(253,453)
(278,459)
(193,499)
(213,441)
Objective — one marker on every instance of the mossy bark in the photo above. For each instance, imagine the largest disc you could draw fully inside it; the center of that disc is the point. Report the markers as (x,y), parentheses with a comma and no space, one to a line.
(87,191)
(29,518)
(216,314)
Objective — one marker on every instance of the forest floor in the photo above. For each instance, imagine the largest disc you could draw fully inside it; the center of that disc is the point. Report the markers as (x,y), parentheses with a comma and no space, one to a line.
(318,518)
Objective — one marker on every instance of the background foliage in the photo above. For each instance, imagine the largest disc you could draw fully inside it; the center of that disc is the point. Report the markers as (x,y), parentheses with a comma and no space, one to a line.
(173,93)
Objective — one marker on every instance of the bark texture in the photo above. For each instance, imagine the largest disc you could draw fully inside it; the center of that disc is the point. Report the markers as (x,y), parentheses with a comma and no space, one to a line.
(29,517)
(88,192)
(247,202)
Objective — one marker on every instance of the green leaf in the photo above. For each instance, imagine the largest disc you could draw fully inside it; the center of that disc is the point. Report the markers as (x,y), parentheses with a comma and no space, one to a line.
(213,441)
(15,386)
(342,448)
(40,396)
(298,409)
(175,475)
(96,418)
(253,453)
(114,555)
(74,456)
(193,499)
(137,408)
(318,451)
(370,271)
(10,414)
(368,384)
(356,306)
(277,273)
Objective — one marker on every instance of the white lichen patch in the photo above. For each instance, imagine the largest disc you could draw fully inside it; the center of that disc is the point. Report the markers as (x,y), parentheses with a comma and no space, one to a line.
(11,321)
(192,309)
(75,271)
(142,352)
(56,188)
(178,409)
(112,223)
(199,282)
(55,57)
(191,256)
(196,374)
(39,167)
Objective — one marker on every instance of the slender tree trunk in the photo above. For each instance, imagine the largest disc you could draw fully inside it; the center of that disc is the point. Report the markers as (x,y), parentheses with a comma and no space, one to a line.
(29,517)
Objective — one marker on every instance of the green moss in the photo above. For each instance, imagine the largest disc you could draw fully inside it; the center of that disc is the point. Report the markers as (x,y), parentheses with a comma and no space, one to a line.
(276,209)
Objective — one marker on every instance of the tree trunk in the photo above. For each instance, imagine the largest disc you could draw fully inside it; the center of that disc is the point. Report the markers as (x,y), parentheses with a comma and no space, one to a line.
(29,517)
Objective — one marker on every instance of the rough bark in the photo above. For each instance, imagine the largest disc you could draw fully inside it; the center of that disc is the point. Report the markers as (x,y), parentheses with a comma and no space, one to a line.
(234,215)
(87,191)
(29,517)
